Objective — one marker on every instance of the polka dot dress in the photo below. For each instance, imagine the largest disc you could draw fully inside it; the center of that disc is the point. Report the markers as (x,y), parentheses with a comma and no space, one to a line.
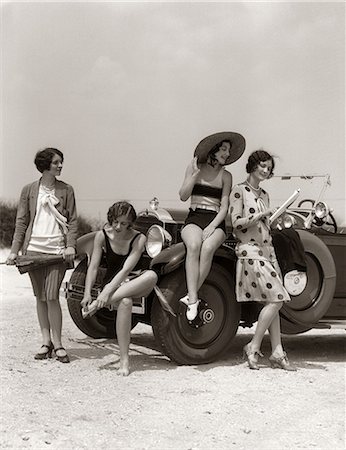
(258,276)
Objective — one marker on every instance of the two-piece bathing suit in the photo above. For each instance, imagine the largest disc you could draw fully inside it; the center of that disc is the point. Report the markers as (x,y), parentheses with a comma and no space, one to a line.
(206,203)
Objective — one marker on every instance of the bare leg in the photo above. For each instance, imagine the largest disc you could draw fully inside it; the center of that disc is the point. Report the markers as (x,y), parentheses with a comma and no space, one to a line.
(192,237)
(267,315)
(278,357)
(138,287)
(275,336)
(123,326)
(55,321)
(42,314)
(209,247)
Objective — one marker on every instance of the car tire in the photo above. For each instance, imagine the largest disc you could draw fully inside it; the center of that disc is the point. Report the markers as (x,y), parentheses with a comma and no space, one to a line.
(209,336)
(101,324)
(307,308)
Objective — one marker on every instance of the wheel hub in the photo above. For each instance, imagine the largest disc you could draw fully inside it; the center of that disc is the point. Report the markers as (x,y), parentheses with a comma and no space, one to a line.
(205,316)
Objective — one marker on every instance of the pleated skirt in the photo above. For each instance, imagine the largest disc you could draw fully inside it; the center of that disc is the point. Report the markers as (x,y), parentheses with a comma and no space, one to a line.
(46,281)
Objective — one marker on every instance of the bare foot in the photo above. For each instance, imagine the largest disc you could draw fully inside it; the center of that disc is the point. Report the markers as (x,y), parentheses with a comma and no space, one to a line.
(124,369)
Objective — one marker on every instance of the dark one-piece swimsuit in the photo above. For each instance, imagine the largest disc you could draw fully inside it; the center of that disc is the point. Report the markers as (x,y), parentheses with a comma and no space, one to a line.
(115,261)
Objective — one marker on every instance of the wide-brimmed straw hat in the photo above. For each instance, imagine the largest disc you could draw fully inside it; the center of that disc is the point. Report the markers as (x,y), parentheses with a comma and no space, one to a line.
(206,144)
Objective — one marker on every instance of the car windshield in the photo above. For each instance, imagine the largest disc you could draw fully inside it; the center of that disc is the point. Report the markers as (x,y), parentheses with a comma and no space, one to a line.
(312,187)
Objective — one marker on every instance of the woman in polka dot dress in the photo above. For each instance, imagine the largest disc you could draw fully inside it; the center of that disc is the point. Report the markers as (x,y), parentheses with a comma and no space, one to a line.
(258,273)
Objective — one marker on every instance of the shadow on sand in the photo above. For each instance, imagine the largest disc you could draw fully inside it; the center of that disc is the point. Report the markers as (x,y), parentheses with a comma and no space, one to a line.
(309,351)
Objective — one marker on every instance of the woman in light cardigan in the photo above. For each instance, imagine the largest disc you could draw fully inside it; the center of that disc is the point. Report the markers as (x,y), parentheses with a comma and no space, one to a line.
(46,223)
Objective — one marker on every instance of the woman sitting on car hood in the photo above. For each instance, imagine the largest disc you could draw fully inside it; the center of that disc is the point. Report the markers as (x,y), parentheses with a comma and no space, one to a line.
(208,185)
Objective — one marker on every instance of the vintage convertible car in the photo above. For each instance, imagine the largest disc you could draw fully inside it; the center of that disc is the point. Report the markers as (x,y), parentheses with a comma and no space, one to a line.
(318,300)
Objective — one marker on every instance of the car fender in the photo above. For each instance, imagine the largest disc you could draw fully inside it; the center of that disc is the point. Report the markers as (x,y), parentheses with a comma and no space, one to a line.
(169,259)
(309,307)
(173,257)
(85,246)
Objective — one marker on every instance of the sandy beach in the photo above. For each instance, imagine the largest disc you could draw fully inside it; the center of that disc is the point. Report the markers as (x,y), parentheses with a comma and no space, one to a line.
(224,405)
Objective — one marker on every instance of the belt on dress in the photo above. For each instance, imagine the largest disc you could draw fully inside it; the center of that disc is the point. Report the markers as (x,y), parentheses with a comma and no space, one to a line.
(195,206)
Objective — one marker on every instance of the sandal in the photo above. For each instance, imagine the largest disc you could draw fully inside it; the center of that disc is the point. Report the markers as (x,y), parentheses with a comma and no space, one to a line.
(64,358)
(47,354)
(192,310)
(184,300)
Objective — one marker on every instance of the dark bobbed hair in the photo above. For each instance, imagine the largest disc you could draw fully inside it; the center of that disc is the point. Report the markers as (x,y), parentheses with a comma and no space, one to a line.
(259,156)
(211,155)
(44,158)
(122,208)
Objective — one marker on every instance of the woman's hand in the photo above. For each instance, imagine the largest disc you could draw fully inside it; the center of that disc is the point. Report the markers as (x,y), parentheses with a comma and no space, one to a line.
(102,299)
(11,259)
(69,254)
(191,173)
(87,299)
(193,167)
(269,212)
(208,231)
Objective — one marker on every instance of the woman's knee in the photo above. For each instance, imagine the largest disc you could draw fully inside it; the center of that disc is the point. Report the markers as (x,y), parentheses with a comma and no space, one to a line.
(275,307)
(193,247)
(53,301)
(151,277)
(208,249)
(53,306)
(211,244)
(126,303)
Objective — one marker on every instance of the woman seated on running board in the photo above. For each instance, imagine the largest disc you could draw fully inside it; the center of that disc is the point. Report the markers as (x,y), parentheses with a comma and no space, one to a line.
(123,247)
(208,185)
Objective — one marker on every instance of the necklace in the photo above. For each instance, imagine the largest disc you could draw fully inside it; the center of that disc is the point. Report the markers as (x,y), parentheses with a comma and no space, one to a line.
(250,185)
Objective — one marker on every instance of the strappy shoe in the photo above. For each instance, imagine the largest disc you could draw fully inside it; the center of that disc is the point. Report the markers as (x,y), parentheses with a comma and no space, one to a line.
(281,362)
(184,300)
(64,358)
(47,354)
(251,356)
(192,310)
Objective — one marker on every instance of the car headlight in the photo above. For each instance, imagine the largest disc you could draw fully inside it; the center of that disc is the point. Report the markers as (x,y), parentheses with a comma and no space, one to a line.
(288,221)
(157,239)
(321,210)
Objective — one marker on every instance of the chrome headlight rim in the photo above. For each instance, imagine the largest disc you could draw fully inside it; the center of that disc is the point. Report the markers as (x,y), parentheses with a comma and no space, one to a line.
(321,210)
(288,221)
(157,239)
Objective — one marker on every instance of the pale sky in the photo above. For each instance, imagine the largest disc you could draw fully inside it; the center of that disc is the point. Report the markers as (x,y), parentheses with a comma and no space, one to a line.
(127,90)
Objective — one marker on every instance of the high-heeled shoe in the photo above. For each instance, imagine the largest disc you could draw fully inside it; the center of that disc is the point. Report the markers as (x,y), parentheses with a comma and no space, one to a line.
(184,300)
(64,358)
(47,354)
(192,308)
(251,356)
(281,362)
